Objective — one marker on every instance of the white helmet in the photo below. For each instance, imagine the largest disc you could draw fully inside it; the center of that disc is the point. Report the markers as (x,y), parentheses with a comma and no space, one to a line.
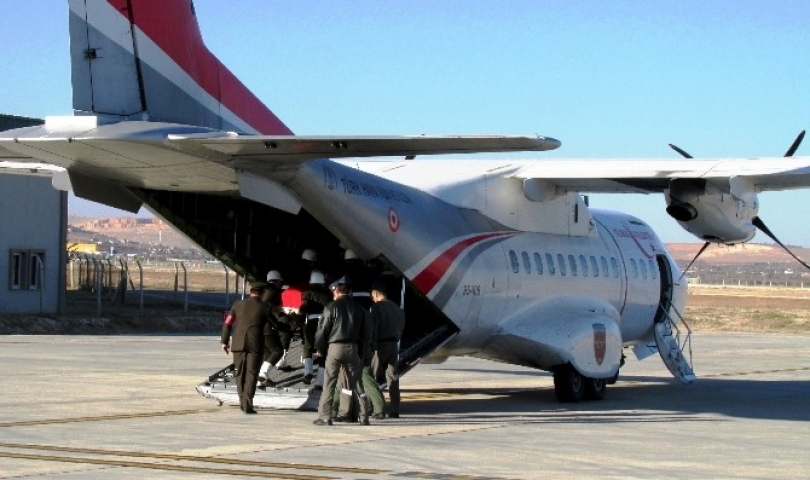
(273,275)
(316,277)
(349,255)
(309,255)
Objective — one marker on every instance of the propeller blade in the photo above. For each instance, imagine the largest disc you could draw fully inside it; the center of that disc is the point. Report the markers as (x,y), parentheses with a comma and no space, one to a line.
(704,247)
(795,145)
(761,225)
(680,150)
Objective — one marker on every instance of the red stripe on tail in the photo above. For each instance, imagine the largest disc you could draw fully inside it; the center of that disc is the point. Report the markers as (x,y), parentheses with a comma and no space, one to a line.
(172,25)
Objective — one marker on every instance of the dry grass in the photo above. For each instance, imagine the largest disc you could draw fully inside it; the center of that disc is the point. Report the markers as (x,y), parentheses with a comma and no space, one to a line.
(748,309)
(164,278)
(709,308)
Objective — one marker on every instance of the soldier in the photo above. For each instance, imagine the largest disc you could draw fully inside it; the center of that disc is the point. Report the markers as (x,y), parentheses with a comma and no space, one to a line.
(356,271)
(347,410)
(309,257)
(273,346)
(341,337)
(245,322)
(390,322)
(314,300)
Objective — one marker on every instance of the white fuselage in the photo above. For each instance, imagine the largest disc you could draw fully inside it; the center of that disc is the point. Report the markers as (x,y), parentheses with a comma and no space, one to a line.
(485,275)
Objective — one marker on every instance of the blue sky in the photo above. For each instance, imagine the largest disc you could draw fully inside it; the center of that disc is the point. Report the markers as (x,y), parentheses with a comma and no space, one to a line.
(608,79)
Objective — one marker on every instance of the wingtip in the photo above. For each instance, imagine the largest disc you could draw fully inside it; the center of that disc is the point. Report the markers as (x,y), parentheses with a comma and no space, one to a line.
(549,143)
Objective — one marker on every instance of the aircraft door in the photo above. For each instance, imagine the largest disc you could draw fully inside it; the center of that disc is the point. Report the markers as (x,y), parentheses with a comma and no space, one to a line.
(665,274)
(616,265)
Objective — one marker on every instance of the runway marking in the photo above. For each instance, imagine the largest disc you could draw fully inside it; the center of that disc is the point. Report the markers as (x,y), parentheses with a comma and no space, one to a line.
(125,416)
(217,460)
(433,396)
(189,458)
(445,476)
(161,466)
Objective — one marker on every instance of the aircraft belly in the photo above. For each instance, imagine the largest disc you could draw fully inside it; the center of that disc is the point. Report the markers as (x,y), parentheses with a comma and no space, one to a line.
(637,321)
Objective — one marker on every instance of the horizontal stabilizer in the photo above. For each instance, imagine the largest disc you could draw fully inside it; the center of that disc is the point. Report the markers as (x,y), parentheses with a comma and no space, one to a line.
(25,168)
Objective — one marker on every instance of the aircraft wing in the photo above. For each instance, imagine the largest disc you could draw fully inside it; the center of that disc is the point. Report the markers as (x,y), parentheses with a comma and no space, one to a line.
(178,157)
(653,175)
(314,147)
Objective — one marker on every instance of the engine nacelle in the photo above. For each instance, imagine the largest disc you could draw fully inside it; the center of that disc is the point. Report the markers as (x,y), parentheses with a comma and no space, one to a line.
(711,213)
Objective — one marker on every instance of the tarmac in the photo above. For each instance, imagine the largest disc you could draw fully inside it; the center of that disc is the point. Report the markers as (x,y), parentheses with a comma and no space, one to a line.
(78,407)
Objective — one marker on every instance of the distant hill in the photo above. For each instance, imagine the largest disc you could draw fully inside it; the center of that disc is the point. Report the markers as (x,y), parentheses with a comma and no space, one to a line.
(146,238)
(738,254)
(155,232)
(152,231)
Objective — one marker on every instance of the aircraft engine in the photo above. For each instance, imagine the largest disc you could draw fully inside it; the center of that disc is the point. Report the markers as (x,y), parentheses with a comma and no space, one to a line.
(712,213)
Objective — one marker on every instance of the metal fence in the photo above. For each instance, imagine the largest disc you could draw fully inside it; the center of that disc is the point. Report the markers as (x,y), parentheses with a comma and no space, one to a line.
(737,282)
(113,280)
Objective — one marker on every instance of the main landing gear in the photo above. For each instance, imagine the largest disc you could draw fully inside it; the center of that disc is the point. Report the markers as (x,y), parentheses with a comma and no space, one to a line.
(570,386)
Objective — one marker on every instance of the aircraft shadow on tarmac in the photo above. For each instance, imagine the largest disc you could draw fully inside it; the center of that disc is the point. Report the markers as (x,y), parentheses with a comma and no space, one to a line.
(632,399)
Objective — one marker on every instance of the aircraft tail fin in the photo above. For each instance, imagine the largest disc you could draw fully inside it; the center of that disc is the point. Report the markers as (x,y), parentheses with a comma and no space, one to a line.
(146,60)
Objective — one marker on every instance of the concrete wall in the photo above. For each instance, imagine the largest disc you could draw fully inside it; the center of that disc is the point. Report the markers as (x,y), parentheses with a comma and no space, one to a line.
(33,217)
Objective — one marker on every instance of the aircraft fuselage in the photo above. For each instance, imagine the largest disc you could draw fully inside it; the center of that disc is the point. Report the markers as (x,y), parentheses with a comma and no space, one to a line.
(485,276)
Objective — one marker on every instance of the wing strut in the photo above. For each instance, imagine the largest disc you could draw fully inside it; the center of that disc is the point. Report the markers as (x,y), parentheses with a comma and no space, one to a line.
(702,249)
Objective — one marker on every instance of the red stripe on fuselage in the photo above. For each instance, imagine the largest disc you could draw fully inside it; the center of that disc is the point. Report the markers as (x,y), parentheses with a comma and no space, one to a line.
(171,25)
(430,276)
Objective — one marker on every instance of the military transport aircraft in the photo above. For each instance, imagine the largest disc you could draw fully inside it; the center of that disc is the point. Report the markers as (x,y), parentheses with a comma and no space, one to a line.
(498,259)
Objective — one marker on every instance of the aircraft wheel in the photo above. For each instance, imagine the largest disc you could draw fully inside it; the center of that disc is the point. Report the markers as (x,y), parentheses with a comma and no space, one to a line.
(595,388)
(569,384)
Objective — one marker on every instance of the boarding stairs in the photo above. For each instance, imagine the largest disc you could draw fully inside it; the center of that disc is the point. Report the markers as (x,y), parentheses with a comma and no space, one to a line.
(673,338)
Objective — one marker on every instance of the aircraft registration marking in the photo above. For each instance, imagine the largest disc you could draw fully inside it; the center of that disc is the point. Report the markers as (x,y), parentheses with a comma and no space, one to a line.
(473,290)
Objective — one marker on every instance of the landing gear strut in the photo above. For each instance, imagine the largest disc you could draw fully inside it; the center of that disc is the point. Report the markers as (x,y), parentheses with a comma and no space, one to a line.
(571,387)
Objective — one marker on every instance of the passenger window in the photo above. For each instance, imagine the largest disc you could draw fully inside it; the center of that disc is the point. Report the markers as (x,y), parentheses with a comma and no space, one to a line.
(527,264)
(614,266)
(653,270)
(583,264)
(643,265)
(573,264)
(550,262)
(604,266)
(633,268)
(513,259)
(594,266)
(538,263)
(561,261)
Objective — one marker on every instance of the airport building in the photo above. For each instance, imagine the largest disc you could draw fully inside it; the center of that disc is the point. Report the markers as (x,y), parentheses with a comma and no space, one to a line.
(33,221)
